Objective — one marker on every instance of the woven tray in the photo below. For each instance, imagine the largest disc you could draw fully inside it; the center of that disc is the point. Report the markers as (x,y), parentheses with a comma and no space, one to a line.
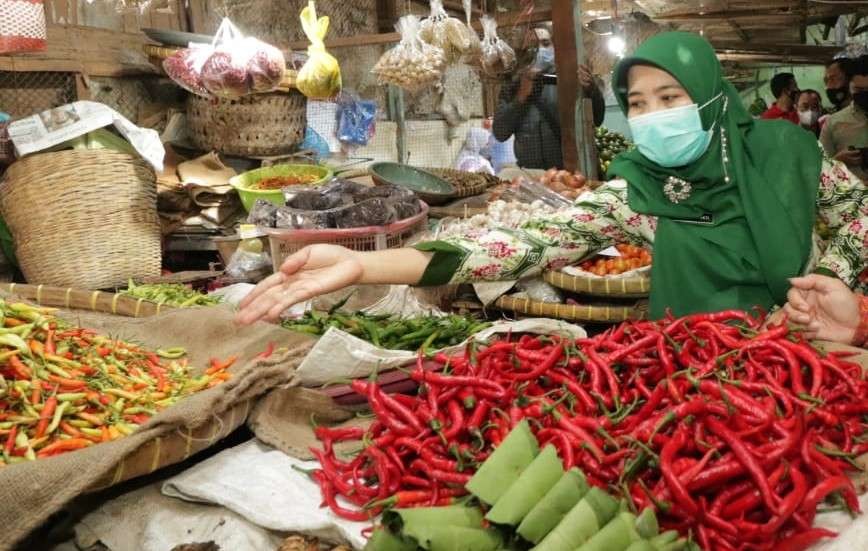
(629,287)
(160,452)
(466,184)
(569,312)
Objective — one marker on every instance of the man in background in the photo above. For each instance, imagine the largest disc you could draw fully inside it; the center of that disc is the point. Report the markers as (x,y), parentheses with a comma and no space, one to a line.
(786,93)
(845,134)
(837,81)
(529,105)
(810,109)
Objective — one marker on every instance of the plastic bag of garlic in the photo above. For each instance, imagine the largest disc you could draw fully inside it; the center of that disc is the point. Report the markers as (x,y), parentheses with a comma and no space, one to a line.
(413,64)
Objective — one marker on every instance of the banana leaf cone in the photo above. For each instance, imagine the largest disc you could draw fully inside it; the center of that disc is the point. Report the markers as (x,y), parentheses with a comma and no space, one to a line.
(455,528)
(580,524)
(617,535)
(505,465)
(532,485)
(552,508)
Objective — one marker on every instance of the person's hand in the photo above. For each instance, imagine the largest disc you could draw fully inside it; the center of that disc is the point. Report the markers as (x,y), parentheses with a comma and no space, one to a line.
(312,271)
(852,157)
(824,307)
(586,79)
(525,87)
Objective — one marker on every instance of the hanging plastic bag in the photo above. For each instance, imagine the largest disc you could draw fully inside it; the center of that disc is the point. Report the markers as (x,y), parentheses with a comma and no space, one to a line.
(497,56)
(22,26)
(447,33)
(356,120)
(320,78)
(241,65)
(412,64)
(473,55)
(185,68)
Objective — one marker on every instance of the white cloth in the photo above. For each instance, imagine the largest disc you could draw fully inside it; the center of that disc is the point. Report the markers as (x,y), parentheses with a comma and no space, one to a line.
(472,157)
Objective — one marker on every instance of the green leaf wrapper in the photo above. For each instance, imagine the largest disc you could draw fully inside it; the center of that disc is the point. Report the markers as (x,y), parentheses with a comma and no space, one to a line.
(532,485)
(550,510)
(617,535)
(641,545)
(457,528)
(506,463)
(384,540)
(581,522)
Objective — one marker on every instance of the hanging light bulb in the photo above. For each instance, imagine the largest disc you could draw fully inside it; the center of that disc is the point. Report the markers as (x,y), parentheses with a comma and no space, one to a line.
(617,45)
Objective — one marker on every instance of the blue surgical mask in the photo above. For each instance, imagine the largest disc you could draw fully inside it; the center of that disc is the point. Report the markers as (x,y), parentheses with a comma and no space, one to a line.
(545,57)
(672,137)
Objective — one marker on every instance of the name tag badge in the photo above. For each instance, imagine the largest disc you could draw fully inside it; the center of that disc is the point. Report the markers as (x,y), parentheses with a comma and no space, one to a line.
(706,219)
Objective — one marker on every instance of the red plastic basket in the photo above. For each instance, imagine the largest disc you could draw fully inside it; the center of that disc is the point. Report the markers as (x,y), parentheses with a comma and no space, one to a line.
(284,242)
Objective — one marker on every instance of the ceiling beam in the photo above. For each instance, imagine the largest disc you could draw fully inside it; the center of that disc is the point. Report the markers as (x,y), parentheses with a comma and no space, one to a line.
(738,30)
(810,12)
(806,50)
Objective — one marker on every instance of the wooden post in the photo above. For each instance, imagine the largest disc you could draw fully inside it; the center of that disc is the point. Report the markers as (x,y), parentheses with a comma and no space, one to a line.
(396,114)
(569,54)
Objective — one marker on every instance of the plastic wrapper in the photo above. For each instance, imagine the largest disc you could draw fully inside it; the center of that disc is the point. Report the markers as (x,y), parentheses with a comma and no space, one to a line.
(263,213)
(447,33)
(496,56)
(184,67)
(246,265)
(540,291)
(413,64)
(372,212)
(339,185)
(241,65)
(356,120)
(320,77)
(290,218)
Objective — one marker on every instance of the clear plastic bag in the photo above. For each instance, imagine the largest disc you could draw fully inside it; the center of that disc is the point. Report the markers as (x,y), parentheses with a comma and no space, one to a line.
(184,67)
(241,65)
(356,120)
(320,77)
(248,265)
(413,64)
(473,55)
(497,56)
(447,33)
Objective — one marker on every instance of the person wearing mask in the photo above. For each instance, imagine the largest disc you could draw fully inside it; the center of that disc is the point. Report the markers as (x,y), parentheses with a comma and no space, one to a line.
(826,308)
(845,134)
(728,202)
(786,93)
(809,110)
(529,106)
(837,81)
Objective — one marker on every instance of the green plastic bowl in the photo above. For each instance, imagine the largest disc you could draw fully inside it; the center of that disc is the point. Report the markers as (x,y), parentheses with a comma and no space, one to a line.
(244,182)
(430,188)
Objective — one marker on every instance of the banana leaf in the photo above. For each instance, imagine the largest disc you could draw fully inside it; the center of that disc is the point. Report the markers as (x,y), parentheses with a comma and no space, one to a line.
(580,524)
(617,535)
(557,502)
(506,463)
(384,540)
(518,500)
(641,545)
(458,528)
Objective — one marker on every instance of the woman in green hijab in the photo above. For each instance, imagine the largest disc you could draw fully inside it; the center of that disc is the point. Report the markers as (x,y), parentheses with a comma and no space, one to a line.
(728,203)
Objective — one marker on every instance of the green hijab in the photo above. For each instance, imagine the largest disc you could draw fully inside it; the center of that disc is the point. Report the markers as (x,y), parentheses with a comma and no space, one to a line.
(746,228)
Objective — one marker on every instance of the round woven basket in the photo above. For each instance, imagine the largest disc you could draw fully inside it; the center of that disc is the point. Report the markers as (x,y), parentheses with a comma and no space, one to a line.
(571,312)
(85,219)
(253,126)
(625,287)
(466,184)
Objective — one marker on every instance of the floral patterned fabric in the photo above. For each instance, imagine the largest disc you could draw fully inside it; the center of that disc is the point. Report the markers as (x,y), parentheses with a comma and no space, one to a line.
(602,218)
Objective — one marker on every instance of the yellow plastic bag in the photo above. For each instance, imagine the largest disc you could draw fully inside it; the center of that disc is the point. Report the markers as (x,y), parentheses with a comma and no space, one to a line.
(320,77)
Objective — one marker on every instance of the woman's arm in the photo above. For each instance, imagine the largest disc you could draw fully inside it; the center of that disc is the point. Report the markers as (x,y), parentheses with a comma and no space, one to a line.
(510,112)
(596,220)
(842,205)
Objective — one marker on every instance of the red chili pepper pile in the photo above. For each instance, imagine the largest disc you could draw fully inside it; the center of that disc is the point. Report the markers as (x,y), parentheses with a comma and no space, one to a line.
(731,433)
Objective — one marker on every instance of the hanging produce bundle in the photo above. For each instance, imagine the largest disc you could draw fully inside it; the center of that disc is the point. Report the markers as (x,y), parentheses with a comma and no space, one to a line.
(64,388)
(445,32)
(230,67)
(727,431)
(413,64)
(473,55)
(498,57)
(170,294)
(320,77)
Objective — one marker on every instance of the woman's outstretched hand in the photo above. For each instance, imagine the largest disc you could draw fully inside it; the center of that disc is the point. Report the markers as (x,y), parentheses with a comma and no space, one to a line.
(312,271)
(824,307)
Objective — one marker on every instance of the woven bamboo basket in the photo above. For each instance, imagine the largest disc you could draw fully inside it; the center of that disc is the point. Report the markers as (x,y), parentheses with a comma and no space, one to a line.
(629,287)
(570,312)
(85,219)
(253,126)
(160,452)
(466,184)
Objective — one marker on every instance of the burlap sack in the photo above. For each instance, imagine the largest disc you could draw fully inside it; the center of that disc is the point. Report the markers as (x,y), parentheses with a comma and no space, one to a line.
(31,492)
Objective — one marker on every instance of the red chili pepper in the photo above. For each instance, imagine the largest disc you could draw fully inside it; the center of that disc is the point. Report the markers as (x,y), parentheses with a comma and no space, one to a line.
(545,365)
(745,457)
(678,491)
(63,446)
(803,540)
(45,416)
(456,420)
(10,439)
(328,492)
(269,350)
(819,492)
(21,371)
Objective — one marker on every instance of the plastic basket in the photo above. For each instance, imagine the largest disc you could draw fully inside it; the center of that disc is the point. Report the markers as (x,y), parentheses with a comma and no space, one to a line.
(284,242)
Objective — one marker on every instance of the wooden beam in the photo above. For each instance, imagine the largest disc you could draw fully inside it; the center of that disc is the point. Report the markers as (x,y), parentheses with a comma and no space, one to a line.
(569,90)
(778,49)
(738,30)
(454,6)
(387,14)
(811,12)
(507,19)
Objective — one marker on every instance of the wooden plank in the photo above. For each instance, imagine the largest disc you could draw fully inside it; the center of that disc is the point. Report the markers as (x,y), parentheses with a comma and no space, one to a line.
(567,63)
(200,18)
(738,30)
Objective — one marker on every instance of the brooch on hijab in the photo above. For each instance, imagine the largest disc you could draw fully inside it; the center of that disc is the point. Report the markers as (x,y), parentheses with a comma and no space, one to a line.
(676,189)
